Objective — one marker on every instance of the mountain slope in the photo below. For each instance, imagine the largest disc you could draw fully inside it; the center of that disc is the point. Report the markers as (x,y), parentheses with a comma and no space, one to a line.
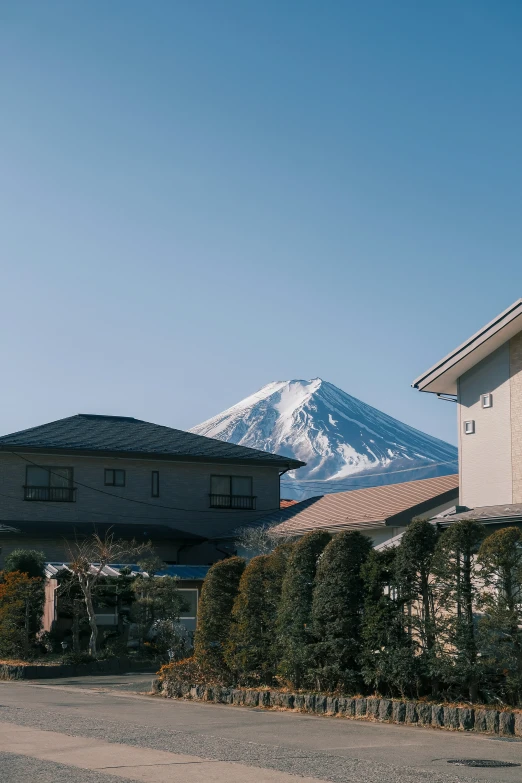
(345,443)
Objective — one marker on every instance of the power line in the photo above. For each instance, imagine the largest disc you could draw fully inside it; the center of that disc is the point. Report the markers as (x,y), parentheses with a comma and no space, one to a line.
(368,475)
(128,500)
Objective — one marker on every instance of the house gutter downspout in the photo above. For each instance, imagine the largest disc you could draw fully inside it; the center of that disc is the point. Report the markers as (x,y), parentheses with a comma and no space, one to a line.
(281,474)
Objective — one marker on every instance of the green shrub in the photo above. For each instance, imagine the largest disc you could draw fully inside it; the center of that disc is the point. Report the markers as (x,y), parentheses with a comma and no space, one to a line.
(27,561)
(218,594)
(21,607)
(387,660)
(415,586)
(251,651)
(456,592)
(500,561)
(295,609)
(156,609)
(337,609)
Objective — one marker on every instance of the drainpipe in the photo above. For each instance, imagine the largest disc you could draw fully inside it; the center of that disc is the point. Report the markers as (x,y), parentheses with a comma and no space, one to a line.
(281,474)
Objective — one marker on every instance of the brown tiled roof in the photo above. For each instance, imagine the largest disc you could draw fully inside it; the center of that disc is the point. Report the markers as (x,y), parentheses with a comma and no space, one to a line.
(392,504)
(285,503)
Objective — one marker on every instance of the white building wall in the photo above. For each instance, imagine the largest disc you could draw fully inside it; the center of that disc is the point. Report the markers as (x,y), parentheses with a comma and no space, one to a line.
(486,476)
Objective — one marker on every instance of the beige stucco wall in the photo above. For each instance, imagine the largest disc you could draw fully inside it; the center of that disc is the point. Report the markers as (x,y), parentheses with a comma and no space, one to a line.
(485,457)
(516,415)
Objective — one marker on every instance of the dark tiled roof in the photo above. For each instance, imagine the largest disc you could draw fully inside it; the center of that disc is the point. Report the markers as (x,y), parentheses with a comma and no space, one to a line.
(122,435)
(390,504)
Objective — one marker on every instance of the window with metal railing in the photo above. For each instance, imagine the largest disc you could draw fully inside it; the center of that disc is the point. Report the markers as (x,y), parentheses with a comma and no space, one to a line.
(233,492)
(51,484)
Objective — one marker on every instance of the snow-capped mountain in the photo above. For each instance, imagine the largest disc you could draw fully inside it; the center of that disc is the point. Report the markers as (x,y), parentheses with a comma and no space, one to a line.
(345,443)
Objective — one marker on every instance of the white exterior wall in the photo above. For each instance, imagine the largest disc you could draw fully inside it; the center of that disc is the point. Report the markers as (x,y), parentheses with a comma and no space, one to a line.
(485,465)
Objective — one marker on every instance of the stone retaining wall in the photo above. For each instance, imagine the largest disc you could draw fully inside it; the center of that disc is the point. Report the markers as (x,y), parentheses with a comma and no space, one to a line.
(415,713)
(111,666)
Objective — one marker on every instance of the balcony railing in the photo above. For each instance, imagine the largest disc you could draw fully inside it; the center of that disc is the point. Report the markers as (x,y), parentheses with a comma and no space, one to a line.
(55,494)
(245,502)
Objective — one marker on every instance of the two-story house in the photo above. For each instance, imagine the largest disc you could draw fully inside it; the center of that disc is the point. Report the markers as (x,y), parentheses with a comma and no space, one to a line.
(184,492)
(484,377)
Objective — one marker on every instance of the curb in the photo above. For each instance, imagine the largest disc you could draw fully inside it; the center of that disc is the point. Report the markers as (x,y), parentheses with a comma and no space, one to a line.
(504,723)
(111,666)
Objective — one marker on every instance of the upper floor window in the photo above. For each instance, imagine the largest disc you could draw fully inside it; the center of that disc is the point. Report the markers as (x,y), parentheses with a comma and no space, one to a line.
(154,489)
(114,478)
(49,483)
(231,492)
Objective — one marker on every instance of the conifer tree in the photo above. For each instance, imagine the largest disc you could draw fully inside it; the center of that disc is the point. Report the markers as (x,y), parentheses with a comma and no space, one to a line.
(337,608)
(21,607)
(27,561)
(456,589)
(387,660)
(500,561)
(295,609)
(247,651)
(218,594)
(251,652)
(414,579)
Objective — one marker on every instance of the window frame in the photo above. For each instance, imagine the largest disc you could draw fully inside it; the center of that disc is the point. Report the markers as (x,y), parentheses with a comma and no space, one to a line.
(189,590)
(154,474)
(69,490)
(230,494)
(113,482)
(50,469)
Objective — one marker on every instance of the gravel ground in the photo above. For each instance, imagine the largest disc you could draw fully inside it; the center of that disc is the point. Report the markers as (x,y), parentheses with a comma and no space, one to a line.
(325,766)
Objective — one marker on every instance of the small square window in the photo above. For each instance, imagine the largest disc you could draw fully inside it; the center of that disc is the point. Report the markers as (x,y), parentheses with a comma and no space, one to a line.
(487,400)
(469,427)
(114,478)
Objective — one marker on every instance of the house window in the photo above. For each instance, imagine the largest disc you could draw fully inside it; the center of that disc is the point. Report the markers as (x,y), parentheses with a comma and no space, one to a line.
(114,478)
(155,484)
(469,427)
(49,483)
(189,610)
(232,492)
(487,400)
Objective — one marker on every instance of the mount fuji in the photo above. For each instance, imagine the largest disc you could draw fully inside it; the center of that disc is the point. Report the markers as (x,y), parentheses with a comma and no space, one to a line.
(345,443)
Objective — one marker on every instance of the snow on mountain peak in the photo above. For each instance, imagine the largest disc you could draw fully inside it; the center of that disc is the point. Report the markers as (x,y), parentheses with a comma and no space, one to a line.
(345,443)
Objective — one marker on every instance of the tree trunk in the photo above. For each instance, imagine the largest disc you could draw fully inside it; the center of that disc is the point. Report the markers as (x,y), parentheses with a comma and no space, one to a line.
(86,589)
(429,630)
(26,628)
(76,625)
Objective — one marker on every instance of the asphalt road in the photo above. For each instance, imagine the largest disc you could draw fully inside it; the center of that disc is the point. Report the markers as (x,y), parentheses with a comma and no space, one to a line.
(106,729)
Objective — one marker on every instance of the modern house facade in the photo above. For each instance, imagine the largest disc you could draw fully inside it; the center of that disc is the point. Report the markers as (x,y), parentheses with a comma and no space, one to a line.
(484,377)
(184,492)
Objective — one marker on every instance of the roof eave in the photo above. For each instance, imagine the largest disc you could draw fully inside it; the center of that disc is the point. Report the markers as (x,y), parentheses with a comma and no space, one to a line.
(402,518)
(289,464)
(442,377)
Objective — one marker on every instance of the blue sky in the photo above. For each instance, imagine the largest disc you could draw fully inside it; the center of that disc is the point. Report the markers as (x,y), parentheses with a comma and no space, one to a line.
(199,197)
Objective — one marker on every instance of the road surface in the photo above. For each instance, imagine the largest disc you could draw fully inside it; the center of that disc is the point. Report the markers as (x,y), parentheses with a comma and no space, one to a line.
(107,730)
